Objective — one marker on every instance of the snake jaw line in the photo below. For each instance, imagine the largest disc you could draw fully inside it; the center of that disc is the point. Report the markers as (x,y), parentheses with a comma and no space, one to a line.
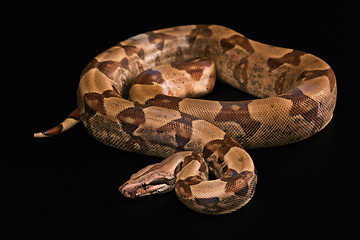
(140,189)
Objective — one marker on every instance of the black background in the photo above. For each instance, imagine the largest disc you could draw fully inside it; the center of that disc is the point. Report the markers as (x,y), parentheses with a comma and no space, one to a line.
(66,187)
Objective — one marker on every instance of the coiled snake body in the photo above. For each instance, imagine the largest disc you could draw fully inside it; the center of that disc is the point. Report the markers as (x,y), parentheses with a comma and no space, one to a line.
(297,94)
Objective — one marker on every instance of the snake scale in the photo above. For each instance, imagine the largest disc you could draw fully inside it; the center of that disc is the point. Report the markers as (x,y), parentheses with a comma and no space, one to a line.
(161,69)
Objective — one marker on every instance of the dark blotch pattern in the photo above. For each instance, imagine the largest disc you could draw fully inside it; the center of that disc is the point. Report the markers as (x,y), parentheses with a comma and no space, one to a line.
(159,39)
(108,68)
(238,112)
(131,119)
(149,77)
(164,101)
(292,58)
(220,147)
(182,187)
(182,128)
(240,72)
(304,106)
(236,40)
(237,183)
(311,74)
(130,50)
(194,68)
(200,30)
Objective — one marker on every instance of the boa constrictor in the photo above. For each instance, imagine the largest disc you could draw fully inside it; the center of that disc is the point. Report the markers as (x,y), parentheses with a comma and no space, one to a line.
(296,90)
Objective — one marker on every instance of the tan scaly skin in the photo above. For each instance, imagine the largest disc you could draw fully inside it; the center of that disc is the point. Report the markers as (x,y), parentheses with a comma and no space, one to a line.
(297,91)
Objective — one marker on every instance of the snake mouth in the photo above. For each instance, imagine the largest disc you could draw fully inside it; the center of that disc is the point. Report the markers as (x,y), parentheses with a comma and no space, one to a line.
(133,190)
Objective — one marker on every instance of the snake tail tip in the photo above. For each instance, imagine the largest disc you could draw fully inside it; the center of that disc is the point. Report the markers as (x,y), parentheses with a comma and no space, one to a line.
(50,132)
(39,135)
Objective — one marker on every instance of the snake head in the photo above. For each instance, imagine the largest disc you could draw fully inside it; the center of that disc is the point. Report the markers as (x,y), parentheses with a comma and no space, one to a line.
(150,180)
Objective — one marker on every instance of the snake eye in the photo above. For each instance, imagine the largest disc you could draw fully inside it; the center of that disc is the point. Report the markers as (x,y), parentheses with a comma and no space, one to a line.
(143,185)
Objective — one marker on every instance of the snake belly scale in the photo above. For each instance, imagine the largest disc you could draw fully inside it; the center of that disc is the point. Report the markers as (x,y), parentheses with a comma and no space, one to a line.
(296,91)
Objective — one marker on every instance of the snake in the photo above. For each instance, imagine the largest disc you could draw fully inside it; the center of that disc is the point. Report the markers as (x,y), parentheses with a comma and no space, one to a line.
(141,95)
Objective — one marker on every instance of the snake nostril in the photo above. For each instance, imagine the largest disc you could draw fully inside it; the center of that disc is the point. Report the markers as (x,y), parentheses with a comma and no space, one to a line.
(131,190)
(128,194)
(124,190)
